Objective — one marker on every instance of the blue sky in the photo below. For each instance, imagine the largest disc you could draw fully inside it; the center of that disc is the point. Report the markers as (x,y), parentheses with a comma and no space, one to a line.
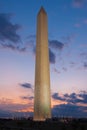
(67,27)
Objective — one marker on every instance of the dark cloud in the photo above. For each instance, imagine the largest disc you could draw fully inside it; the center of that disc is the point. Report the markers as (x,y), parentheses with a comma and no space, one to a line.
(85,65)
(9,39)
(26,85)
(13,114)
(52,57)
(72,95)
(69,110)
(57,97)
(56,44)
(83,95)
(77,98)
(72,98)
(5,114)
(27,97)
(8,31)
(66,95)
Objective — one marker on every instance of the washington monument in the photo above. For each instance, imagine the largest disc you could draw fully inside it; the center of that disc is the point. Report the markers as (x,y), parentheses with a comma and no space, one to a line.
(42,100)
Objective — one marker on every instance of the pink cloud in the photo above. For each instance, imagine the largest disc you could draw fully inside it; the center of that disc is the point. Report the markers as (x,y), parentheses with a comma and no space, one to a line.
(78,3)
(77,25)
(85,21)
(11,105)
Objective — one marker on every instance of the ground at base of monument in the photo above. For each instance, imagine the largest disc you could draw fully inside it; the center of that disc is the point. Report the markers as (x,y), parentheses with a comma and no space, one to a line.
(28,124)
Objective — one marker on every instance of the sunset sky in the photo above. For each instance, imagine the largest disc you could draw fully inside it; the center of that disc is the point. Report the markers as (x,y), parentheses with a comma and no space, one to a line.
(67,36)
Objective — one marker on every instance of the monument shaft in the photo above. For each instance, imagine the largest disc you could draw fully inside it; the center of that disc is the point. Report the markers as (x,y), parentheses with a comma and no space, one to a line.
(42,100)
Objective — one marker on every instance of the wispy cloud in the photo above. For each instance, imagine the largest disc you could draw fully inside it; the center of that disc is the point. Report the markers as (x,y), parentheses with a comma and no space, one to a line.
(12,47)
(83,54)
(26,85)
(69,38)
(27,97)
(81,23)
(56,71)
(64,69)
(83,57)
(77,25)
(85,21)
(72,63)
(78,3)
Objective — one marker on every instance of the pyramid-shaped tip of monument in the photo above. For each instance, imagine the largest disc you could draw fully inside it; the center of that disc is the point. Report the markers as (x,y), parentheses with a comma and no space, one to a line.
(42,10)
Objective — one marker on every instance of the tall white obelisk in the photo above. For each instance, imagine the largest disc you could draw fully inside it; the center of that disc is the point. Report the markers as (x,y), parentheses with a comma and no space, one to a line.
(42,100)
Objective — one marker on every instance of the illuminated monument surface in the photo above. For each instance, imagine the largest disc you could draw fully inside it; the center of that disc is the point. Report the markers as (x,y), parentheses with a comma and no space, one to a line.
(42,101)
